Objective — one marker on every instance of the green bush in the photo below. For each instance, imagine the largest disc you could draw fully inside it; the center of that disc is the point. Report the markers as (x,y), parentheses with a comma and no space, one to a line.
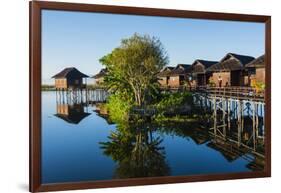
(174,101)
(118,108)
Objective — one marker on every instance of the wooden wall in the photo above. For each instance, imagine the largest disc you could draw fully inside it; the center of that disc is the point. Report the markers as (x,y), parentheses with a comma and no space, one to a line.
(225,78)
(61,83)
(76,83)
(174,81)
(260,75)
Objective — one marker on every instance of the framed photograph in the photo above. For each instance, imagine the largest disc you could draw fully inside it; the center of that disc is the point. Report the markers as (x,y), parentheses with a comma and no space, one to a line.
(123,96)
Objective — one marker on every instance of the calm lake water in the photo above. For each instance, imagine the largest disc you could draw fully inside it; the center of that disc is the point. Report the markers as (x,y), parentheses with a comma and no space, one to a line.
(80,145)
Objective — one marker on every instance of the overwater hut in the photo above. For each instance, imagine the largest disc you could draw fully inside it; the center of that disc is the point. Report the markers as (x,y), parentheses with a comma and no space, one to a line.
(199,73)
(99,77)
(230,70)
(73,114)
(164,77)
(69,78)
(256,70)
(180,75)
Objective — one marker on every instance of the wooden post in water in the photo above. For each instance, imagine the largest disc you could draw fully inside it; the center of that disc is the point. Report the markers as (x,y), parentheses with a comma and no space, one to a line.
(242,116)
(63,96)
(257,120)
(223,116)
(254,124)
(228,114)
(239,122)
(56,95)
(215,116)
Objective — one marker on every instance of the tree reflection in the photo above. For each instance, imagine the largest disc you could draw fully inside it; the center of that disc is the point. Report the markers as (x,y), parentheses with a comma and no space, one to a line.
(137,151)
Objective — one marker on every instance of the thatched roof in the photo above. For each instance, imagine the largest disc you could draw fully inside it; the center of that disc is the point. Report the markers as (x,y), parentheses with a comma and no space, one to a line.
(70,73)
(200,66)
(181,69)
(257,63)
(231,62)
(165,71)
(101,73)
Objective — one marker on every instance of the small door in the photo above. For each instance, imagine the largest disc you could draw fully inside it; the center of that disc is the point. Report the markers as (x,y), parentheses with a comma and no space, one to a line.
(235,77)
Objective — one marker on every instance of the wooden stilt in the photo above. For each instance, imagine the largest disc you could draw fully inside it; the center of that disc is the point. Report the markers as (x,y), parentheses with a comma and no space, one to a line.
(254,125)
(239,122)
(228,114)
(215,116)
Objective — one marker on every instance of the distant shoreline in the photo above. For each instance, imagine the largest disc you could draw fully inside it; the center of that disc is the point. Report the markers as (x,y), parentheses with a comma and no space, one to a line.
(46,87)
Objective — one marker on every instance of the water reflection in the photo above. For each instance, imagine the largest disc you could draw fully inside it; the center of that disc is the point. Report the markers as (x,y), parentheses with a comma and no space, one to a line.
(137,151)
(70,109)
(98,149)
(71,113)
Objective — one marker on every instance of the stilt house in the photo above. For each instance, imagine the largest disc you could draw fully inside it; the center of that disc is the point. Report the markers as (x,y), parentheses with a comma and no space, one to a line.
(69,78)
(164,76)
(99,77)
(180,75)
(199,73)
(230,70)
(256,70)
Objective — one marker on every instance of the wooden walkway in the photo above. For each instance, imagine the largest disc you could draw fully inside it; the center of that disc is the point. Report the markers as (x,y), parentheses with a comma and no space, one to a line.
(238,93)
(233,92)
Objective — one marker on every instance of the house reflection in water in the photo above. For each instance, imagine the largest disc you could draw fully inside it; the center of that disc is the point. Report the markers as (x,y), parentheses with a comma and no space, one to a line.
(71,113)
(229,151)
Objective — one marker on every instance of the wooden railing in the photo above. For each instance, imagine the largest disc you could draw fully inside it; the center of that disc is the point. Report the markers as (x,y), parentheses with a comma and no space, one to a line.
(242,93)
(236,92)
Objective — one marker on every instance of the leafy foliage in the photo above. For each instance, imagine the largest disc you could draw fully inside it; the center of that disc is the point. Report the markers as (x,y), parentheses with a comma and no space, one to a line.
(173,102)
(118,107)
(259,86)
(132,67)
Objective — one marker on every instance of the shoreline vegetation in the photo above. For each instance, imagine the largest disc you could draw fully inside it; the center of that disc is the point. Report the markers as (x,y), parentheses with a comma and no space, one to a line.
(51,87)
(48,87)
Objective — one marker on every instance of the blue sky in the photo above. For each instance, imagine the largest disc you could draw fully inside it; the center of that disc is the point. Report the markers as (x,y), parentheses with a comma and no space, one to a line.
(77,39)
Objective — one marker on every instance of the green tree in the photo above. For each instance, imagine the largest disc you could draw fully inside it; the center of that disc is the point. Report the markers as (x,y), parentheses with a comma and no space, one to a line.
(132,67)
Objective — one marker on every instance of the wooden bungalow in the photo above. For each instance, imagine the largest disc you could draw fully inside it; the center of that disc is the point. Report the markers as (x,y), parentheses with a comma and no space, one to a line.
(164,77)
(73,114)
(99,77)
(179,76)
(69,78)
(199,73)
(256,70)
(230,71)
